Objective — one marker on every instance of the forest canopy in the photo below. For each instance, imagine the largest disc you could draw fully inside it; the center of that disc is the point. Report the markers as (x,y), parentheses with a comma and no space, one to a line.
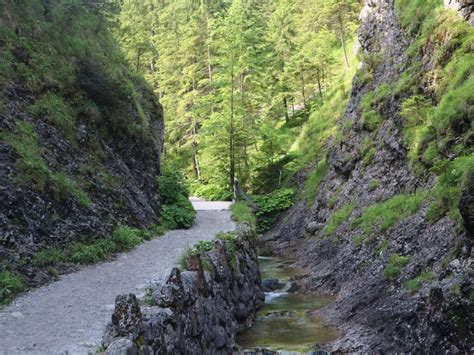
(239,80)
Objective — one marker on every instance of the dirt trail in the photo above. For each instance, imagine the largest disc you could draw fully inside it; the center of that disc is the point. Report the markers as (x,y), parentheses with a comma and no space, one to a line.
(68,316)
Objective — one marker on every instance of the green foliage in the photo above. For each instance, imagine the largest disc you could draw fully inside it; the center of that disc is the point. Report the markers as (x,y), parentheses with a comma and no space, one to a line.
(227,237)
(57,111)
(368,150)
(94,252)
(447,191)
(242,214)
(212,192)
(171,186)
(126,238)
(416,283)
(199,248)
(371,104)
(180,214)
(311,186)
(176,211)
(395,265)
(48,257)
(337,218)
(271,205)
(10,285)
(412,13)
(381,217)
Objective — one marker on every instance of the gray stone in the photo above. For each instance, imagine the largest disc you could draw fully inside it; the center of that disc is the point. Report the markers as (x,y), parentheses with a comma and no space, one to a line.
(122,347)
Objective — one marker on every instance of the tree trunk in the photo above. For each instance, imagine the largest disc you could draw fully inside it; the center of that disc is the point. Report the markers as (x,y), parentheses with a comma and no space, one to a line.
(318,76)
(304,97)
(285,105)
(231,135)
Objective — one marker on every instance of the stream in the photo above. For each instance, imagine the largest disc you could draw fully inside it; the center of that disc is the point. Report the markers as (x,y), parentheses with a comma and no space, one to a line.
(284,323)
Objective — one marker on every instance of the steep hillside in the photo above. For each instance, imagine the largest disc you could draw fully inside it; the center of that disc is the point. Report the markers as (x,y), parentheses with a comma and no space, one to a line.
(390,227)
(81,138)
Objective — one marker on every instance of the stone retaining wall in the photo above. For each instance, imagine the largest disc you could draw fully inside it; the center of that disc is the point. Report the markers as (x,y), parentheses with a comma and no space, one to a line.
(197,311)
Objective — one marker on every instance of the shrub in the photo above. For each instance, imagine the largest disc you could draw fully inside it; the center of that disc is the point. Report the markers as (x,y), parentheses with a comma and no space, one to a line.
(337,218)
(180,214)
(177,211)
(171,186)
(395,265)
(241,213)
(383,216)
(10,285)
(271,205)
(199,248)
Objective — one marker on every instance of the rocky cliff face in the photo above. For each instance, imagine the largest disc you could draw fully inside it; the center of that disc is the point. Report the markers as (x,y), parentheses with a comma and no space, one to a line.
(403,280)
(197,311)
(80,144)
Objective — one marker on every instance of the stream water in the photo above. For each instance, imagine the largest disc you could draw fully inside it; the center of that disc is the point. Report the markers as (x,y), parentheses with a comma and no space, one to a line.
(284,322)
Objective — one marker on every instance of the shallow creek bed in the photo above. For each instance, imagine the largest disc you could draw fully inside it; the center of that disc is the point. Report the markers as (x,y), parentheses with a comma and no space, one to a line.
(286,321)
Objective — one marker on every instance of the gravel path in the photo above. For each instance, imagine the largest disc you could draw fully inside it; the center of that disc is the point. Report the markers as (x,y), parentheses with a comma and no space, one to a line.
(69,316)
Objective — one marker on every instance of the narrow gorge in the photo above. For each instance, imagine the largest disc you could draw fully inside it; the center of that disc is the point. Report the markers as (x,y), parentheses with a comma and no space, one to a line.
(236,176)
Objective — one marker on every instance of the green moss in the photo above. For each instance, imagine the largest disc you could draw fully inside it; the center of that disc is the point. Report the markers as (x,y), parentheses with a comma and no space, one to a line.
(382,217)
(337,218)
(242,214)
(311,186)
(10,285)
(395,266)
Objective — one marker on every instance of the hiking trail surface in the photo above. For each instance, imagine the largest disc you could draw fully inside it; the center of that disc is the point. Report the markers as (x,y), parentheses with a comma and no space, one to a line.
(70,315)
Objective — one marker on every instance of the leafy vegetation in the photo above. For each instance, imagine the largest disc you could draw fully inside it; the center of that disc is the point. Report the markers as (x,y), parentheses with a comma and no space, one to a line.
(271,205)
(10,285)
(240,81)
(242,214)
(176,211)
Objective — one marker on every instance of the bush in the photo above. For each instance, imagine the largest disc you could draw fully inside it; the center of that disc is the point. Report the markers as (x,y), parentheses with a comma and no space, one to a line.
(176,211)
(199,248)
(180,214)
(10,285)
(241,213)
(395,265)
(171,186)
(270,206)
(99,250)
